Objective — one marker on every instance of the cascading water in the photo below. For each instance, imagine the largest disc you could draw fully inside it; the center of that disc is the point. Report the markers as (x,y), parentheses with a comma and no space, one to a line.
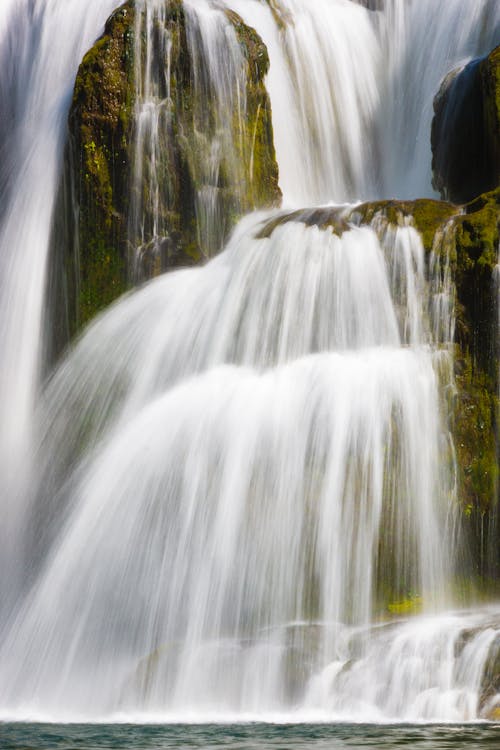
(360,128)
(240,467)
(218,75)
(35,90)
(278,479)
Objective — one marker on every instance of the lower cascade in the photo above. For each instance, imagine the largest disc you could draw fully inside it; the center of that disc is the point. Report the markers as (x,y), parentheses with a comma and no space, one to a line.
(259,469)
(235,495)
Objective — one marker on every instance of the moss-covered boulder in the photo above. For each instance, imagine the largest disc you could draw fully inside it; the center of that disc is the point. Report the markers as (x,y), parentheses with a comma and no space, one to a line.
(466,130)
(100,124)
(131,229)
(472,234)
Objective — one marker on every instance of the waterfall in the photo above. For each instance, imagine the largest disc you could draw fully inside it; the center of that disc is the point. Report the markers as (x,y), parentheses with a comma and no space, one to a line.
(224,521)
(360,128)
(218,74)
(35,91)
(235,495)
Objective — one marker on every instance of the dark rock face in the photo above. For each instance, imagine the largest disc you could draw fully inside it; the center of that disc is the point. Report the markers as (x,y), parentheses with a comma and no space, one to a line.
(113,251)
(100,123)
(371,4)
(466,131)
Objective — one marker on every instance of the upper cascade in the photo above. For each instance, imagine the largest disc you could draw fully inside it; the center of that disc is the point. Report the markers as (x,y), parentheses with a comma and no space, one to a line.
(352,89)
(35,91)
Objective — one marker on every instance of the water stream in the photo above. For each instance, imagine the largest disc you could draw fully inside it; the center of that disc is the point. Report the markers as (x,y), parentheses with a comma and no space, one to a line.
(35,88)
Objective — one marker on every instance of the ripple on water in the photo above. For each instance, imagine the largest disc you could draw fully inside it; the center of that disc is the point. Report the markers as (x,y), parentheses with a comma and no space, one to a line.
(248,737)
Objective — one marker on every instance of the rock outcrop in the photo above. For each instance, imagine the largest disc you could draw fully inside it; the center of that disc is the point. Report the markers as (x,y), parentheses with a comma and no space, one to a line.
(100,121)
(123,233)
(466,131)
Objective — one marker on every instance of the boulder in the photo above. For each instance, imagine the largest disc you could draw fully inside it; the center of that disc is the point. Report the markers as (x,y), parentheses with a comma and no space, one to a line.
(466,130)
(123,236)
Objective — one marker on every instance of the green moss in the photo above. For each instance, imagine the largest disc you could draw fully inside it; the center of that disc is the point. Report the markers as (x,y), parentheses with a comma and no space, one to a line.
(477,242)
(473,259)
(413,605)
(102,280)
(427,215)
(478,228)
(253,48)
(100,122)
(256,146)
(474,432)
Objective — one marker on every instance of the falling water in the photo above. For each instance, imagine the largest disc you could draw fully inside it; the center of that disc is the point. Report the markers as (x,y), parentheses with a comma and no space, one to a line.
(281,466)
(35,91)
(218,75)
(360,128)
(243,481)
(153,118)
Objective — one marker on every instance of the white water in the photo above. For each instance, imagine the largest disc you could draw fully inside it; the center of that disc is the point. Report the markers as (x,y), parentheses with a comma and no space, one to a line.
(240,466)
(360,127)
(35,90)
(218,71)
(244,502)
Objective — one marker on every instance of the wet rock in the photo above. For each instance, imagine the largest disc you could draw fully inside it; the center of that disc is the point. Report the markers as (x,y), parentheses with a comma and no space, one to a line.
(371,4)
(466,130)
(100,123)
(112,250)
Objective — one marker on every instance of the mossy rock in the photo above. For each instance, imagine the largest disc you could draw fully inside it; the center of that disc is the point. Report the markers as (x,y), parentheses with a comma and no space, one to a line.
(466,130)
(427,215)
(474,234)
(257,154)
(413,605)
(113,252)
(100,123)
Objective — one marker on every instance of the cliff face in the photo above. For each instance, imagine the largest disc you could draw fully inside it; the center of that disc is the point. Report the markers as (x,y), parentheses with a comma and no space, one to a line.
(143,209)
(465,142)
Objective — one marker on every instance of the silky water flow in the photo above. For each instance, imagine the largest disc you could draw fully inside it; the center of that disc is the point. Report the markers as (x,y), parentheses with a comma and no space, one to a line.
(238,467)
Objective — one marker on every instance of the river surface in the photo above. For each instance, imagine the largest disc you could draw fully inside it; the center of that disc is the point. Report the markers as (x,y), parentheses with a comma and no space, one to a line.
(248,736)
